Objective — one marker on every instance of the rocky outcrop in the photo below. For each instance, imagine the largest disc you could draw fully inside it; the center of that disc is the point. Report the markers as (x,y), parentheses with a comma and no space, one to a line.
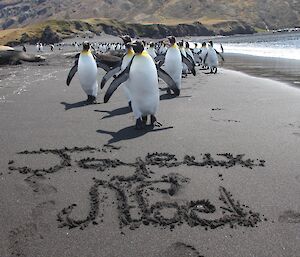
(49,37)
(55,31)
(232,28)
(158,30)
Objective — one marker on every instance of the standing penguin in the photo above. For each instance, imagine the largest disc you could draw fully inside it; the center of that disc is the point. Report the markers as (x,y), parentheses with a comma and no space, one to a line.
(151,50)
(211,58)
(183,53)
(202,54)
(173,62)
(87,70)
(121,67)
(141,76)
(142,83)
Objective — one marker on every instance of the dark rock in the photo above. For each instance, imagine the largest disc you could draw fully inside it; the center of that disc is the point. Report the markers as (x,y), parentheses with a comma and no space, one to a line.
(49,36)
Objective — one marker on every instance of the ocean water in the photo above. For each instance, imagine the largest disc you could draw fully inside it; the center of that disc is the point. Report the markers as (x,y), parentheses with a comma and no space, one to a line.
(271,55)
(277,45)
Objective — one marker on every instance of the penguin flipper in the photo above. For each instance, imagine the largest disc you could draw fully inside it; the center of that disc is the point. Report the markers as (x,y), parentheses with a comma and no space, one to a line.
(190,59)
(102,66)
(169,81)
(109,74)
(218,53)
(204,61)
(72,73)
(189,64)
(116,83)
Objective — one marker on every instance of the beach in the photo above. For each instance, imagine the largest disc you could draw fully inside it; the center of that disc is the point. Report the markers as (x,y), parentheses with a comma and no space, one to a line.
(219,178)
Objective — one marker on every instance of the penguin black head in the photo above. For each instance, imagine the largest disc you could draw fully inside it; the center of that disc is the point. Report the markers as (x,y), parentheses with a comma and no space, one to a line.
(204,44)
(172,40)
(138,47)
(180,43)
(126,39)
(86,46)
(211,43)
(187,45)
(151,44)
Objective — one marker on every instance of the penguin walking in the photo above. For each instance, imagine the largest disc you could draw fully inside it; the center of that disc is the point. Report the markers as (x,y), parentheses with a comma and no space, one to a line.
(141,76)
(121,67)
(87,71)
(202,54)
(183,53)
(174,60)
(189,53)
(211,58)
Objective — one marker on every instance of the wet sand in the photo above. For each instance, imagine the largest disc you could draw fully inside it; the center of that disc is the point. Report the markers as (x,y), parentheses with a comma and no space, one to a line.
(280,69)
(219,178)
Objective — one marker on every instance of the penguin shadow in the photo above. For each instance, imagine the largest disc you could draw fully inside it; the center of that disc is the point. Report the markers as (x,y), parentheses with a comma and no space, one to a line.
(130,133)
(79,104)
(116,112)
(172,96)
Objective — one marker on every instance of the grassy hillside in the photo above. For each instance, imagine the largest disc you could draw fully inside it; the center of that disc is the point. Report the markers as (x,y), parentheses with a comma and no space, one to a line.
(262,14)
(53,31)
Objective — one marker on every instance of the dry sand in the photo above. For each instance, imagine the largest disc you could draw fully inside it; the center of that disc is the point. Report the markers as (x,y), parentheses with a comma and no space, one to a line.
(219,179)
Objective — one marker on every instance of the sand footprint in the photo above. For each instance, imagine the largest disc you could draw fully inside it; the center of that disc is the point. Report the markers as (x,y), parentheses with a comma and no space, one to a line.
(289,217)
(40,188)
(21,237)
(180,249)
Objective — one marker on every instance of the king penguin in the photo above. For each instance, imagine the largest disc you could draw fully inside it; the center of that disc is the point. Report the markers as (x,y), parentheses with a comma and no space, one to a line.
(121,67)
(87,71)
(173,62)
(211,58)
(141,76)
(151,50)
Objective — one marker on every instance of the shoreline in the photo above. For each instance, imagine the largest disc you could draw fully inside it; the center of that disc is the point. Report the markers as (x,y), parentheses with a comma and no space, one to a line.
(277,69)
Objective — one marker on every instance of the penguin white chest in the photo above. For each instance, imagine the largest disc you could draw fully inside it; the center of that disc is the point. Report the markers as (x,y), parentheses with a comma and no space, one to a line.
(173,65)
(212,58)
(143,85)
(87,71)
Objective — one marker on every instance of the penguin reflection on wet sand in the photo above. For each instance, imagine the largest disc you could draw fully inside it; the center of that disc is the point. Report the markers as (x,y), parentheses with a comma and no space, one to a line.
(141,76)
(87,71)
(211,58)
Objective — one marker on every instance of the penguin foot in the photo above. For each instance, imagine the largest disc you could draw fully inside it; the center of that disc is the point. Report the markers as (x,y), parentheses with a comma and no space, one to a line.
(154,122)
(144,119)
(91,99)
(139,124)
(130,106)
(169,91)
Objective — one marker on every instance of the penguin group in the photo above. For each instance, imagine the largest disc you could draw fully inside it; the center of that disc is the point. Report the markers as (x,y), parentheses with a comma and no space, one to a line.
(137,66)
